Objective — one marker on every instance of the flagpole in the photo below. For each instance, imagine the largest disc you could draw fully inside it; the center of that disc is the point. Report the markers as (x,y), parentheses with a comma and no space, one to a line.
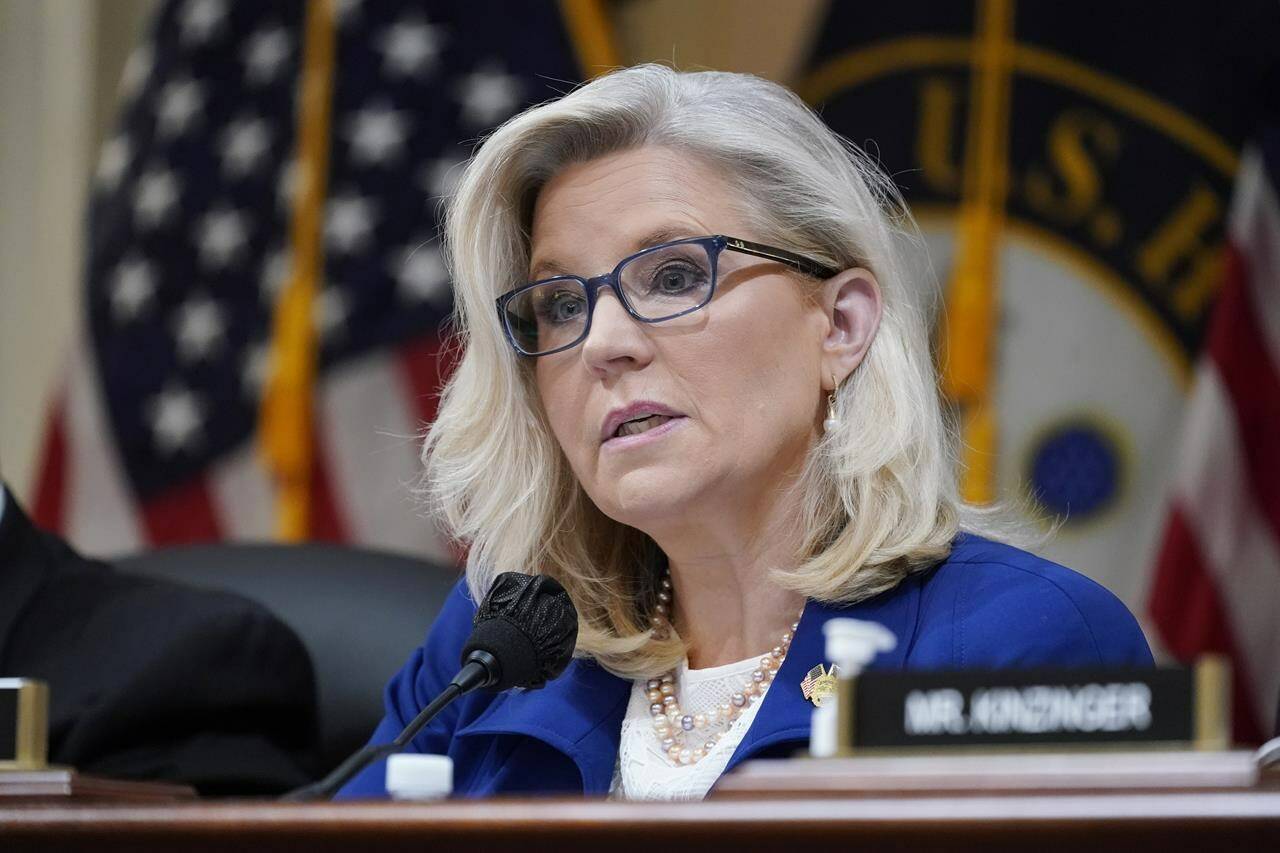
(969,332)
(285,427)
(592,36)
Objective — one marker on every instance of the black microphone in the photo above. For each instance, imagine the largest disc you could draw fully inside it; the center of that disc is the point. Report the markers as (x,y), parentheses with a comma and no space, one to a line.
(523,635)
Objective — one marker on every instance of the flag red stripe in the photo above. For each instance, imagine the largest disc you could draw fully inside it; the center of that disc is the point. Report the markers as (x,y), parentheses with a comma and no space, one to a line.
(184,513)
(426,364)
(328,523)
(1192,620)
(1238,347)
(49,507)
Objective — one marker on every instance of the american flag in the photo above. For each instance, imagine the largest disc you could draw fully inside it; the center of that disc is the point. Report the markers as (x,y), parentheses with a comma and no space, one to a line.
(1217,583)
(810,679)
(152,439)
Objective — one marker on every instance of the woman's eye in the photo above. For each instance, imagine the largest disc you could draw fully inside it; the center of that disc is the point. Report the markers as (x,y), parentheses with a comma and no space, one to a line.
(561,307)
(674,279)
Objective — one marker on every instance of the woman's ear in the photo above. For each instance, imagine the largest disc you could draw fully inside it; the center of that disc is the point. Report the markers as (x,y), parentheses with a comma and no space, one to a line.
(851,300)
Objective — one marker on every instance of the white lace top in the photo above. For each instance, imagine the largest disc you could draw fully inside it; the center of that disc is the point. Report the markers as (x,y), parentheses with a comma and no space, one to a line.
(643,770)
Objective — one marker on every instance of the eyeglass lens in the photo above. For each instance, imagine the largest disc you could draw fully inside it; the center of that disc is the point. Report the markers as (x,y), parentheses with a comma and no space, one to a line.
(657,285)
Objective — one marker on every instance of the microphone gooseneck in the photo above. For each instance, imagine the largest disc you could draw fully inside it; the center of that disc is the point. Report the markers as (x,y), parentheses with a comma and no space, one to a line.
(523,635)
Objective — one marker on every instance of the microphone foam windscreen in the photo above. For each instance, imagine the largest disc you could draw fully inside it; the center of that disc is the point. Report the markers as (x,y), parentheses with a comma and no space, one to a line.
(529,624)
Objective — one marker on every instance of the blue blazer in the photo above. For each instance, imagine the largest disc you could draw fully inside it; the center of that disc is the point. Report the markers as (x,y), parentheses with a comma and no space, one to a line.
(986,606)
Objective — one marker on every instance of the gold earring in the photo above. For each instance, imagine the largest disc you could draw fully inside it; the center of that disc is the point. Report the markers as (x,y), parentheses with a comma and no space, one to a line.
(832,422)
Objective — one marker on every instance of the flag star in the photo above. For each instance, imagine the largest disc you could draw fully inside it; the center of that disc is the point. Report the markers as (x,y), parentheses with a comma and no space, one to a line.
(200,329)
(422,275)
(410,48)
(331,311)
(179,102)
(201,19)
(348,221)
(222,238)
(176,419)
(154,197)
(265,54)
(114,161)
(255,370)
(346,11)
(440,178)
(132,287)
(288,184)
(243,144)
(489,95)
(275,273)
(136,71)
(377,134)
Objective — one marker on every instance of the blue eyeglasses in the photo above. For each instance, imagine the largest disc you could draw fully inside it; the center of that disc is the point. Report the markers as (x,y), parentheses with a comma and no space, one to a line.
(660,283)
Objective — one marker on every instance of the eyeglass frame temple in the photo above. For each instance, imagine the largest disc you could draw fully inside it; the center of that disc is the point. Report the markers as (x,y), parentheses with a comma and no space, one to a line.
(782,256)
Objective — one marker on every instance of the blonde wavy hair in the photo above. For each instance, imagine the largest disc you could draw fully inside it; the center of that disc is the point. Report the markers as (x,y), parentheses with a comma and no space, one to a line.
(877,499)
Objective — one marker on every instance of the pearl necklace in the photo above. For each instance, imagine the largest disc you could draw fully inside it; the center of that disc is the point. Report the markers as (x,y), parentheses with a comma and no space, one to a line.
(672,725)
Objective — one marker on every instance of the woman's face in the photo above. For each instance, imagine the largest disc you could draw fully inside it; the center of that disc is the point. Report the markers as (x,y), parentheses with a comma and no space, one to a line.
(737,385)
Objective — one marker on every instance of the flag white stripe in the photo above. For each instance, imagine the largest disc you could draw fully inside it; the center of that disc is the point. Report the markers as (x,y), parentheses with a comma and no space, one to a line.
(100,509)
(1235,541)
(241,491)
(1254,229)
(369,437)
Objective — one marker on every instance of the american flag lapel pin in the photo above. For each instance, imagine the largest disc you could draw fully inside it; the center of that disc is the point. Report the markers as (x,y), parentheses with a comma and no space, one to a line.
(818,684)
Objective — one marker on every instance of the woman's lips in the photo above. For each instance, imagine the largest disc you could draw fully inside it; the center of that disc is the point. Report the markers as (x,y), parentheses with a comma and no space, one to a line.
(637,410)
(627,442)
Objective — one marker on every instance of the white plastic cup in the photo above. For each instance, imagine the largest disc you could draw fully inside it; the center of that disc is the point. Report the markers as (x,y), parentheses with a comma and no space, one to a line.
(412,776)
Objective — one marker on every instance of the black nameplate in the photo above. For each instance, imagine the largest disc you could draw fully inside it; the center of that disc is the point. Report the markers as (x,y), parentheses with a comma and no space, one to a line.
(1034,708)
(8,724)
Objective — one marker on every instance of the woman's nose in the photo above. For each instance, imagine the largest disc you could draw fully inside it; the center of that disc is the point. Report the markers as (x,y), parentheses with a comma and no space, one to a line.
(616,341)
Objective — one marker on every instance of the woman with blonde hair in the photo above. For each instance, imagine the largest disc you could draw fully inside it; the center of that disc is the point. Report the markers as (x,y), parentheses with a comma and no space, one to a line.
(696,390)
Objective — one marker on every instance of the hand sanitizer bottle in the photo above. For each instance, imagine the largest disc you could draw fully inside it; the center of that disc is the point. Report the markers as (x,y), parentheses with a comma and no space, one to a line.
(851,645)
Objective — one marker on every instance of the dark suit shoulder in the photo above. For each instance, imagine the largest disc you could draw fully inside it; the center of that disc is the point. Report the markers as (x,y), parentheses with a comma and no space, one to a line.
(154,679)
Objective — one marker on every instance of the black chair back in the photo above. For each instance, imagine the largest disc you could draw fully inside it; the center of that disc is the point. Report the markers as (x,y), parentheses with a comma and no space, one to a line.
(359,612)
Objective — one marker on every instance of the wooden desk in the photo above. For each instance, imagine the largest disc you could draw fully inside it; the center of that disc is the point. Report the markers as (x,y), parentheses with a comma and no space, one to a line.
(1147,803)
(1092,822)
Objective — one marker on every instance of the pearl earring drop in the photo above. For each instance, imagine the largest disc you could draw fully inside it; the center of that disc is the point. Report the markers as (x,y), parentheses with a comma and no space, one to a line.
(832,422)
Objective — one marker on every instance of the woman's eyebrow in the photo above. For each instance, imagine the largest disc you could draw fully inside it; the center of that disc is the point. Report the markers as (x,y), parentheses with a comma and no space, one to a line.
(546,269)
(665,234)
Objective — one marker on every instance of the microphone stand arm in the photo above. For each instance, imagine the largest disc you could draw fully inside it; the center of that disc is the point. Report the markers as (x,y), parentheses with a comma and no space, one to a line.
(479,671)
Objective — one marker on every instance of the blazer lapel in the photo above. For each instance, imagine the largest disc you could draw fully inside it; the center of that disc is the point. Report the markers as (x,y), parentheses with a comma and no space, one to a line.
(579,714)
(785,714)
